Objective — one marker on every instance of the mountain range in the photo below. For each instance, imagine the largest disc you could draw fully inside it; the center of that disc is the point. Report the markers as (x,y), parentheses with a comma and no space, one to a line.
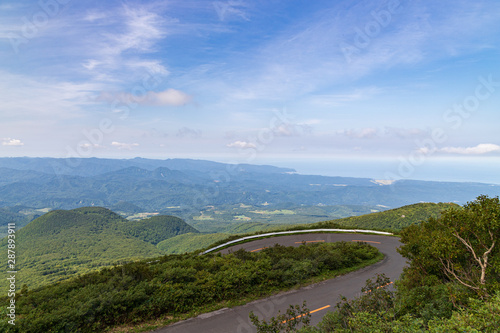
(154,185)
(30,187)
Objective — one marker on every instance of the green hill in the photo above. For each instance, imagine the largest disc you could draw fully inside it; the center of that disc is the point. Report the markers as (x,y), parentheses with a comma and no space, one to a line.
(62,244)
(157,228)
(189,242)
(393,219)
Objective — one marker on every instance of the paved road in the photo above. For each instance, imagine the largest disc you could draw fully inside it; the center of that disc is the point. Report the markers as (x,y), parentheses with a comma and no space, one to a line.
(320,297)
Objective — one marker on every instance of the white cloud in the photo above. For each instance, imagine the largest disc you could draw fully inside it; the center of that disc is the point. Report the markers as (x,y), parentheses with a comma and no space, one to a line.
(307,57)
(88,145)
(363,133)
(11,142)
(188,132)
(404,133)
(291,129)
(42,98)
(114,53)
(142,29)
(169,97)
(127,146)
(342,99)
(228,9)
(94,16)
(241,145)
(482,148)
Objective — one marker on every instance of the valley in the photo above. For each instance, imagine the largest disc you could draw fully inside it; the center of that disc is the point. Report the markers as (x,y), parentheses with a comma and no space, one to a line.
(134,230)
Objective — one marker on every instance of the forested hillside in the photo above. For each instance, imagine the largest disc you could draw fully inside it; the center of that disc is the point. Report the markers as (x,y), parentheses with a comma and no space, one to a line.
(394,219)
(61,244)
(156,228)
(177,285)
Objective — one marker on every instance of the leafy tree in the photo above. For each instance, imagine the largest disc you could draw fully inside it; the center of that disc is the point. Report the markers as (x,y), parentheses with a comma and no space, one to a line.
(479,317)
(284,322)
(377,301)
(459,246)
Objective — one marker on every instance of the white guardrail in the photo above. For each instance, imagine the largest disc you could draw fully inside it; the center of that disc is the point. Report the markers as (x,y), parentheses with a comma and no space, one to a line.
(295,232)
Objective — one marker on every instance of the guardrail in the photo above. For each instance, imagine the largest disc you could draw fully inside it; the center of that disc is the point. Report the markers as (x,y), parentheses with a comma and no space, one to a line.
(295,232)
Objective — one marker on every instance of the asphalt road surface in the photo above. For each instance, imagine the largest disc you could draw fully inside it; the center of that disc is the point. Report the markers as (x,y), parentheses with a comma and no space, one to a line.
(320,297)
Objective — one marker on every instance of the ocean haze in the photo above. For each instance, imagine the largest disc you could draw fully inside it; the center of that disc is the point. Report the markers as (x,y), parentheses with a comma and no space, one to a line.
(483,170)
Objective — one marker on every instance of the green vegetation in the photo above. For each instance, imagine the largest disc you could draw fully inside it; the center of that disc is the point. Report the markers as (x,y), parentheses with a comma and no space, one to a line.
(157,228)
(414,214)
(189,242)
(62,244)
(176,285)
(451,285)
(394,219)
(126,208)
(227,218)
(287,322)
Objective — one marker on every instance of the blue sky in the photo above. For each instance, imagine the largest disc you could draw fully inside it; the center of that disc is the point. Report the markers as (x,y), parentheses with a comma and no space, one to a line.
(383,89)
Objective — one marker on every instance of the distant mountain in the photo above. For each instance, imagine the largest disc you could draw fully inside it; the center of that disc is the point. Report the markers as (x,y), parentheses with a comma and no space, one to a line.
(61,244)
(126,208)
(154,185)
(87,167)
(20,215)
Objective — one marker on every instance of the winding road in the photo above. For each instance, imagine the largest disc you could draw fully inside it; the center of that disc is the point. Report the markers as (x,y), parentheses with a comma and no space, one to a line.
(320,297)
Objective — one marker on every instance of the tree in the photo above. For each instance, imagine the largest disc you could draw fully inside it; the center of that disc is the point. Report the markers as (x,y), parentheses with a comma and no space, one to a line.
(460,246)
(284,322)
(376,302)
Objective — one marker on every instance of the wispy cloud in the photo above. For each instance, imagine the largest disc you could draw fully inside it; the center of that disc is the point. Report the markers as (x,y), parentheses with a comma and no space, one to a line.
(405,133)
(241,145)
(23,96)
(343,99)
(483,148)
(188,132)
(307,57)
(88,145)
(230,9)
(134,31)
(11,142)
(363,133)
(169,97)
(126,146)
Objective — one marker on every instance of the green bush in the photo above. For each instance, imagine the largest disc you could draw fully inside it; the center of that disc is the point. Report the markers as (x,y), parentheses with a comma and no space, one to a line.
(174,285)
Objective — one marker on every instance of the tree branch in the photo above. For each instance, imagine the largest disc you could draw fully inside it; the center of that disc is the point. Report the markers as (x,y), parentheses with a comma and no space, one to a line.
(451,271)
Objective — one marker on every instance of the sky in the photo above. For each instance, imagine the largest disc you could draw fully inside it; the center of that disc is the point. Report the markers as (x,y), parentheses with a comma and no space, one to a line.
(388,89)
